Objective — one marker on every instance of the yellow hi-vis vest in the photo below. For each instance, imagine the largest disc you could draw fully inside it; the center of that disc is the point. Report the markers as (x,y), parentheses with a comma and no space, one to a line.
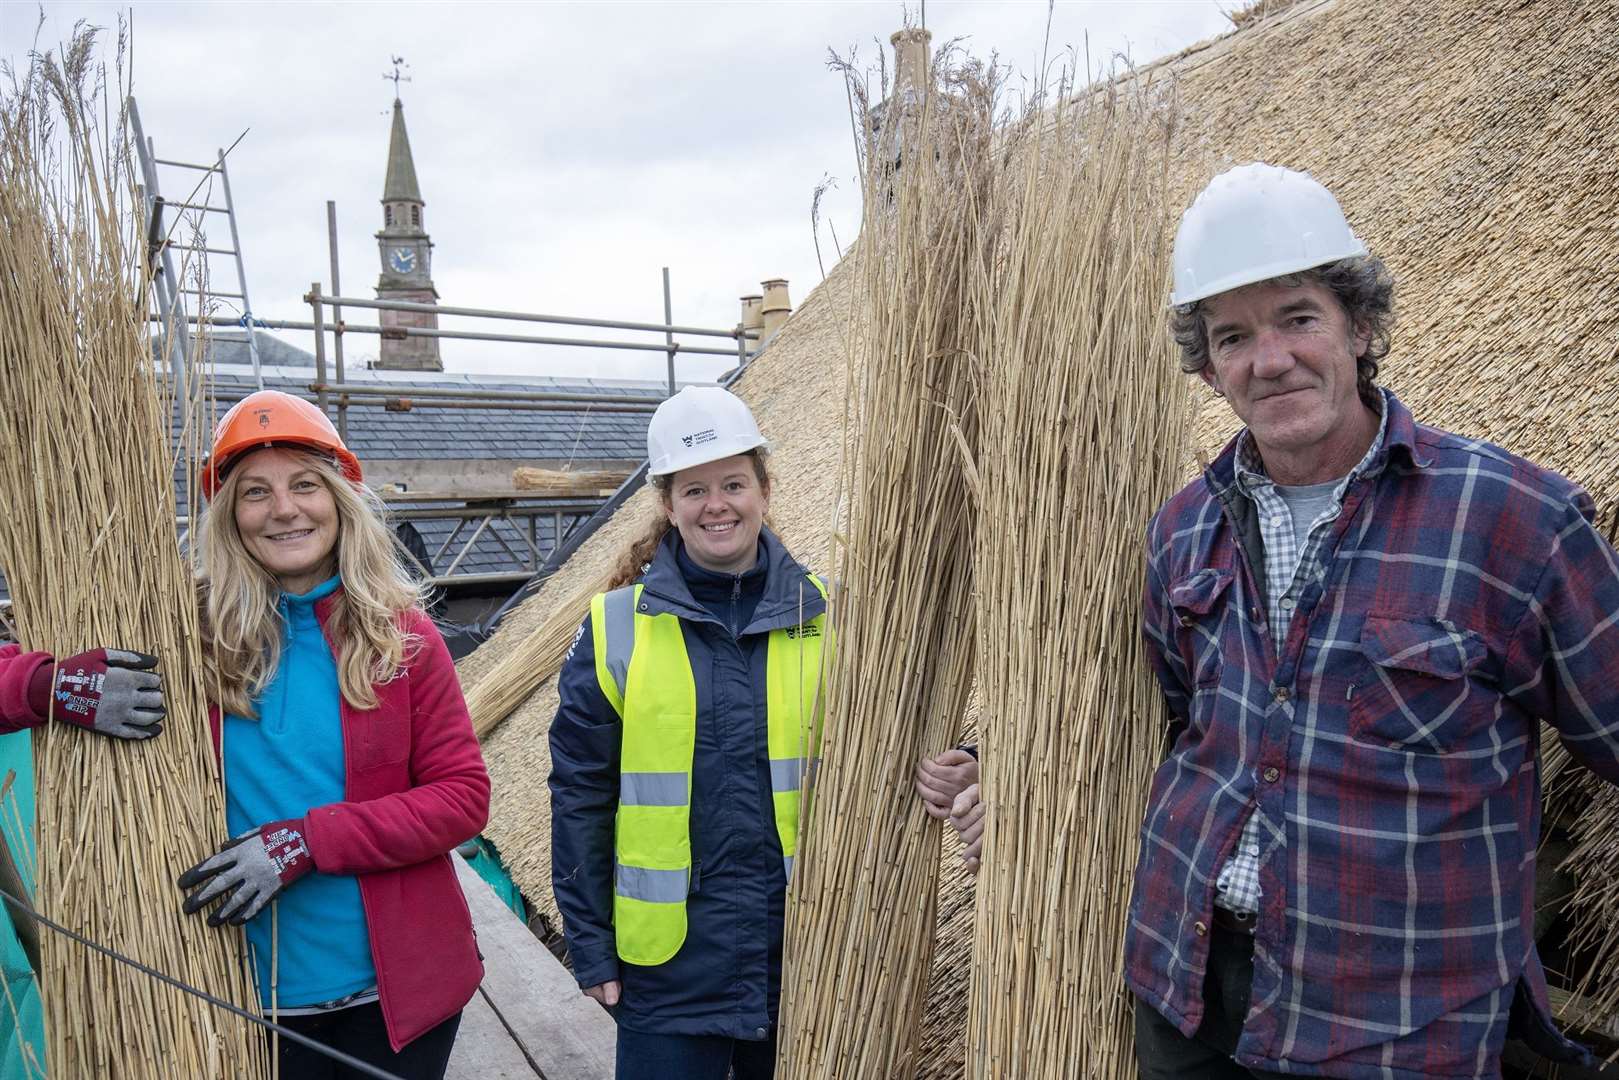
(643,669)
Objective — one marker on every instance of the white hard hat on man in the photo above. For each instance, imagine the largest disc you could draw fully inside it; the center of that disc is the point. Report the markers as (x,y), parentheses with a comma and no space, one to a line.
(698,425)
(1253,223)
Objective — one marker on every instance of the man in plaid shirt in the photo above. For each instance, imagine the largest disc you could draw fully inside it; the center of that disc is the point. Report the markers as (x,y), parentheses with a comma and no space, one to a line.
(1358,623)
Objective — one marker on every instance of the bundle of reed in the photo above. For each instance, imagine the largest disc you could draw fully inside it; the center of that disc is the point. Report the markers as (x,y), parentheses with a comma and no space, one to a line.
(1083,423)
(89,548)
(561,482)
(1593,935)
(861,907)
(530,662)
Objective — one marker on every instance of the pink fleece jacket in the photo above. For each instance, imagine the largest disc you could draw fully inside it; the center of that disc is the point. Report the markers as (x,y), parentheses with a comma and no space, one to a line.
(416,787)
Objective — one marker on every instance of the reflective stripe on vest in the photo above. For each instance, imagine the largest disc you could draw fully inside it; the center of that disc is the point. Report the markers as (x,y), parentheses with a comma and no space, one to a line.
(645,674)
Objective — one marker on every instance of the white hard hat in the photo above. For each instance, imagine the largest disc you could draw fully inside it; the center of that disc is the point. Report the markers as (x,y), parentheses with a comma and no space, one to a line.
(1253,223)
(698,425)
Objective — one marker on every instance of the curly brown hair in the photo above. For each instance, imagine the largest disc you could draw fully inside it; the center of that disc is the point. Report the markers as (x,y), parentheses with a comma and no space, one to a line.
(1363,285)
(638,556)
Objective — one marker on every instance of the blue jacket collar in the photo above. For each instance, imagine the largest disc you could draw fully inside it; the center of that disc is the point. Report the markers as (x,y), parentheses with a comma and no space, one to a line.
(789,596)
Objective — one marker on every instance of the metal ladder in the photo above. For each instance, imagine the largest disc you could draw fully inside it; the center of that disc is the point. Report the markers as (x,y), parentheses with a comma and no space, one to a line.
(169,292)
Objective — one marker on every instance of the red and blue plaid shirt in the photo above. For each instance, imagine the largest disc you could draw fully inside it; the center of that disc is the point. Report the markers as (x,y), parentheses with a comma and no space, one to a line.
(1390,747)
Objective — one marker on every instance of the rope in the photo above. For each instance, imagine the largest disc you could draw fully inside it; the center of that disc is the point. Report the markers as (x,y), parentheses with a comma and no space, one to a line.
(269,1025)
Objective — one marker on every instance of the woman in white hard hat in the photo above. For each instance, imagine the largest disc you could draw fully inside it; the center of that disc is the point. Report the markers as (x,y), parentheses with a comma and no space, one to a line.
(349,761)
(689,715)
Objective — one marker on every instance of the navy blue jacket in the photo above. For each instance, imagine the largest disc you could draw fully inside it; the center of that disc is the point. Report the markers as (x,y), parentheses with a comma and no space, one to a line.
(726,978)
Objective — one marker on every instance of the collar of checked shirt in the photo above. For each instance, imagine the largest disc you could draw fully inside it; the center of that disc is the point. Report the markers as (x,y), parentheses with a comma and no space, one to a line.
(1252,479)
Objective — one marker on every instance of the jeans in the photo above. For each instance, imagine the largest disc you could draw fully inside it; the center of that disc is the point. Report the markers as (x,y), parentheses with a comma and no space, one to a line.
(693,1057)
(359,1032)
(1165,1054)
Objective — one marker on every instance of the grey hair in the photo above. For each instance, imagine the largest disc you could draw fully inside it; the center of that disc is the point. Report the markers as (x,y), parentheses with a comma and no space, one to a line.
(1362,285)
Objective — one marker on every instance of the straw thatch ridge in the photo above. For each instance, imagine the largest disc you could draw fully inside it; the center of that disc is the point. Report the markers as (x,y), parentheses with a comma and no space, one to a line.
(1475,148)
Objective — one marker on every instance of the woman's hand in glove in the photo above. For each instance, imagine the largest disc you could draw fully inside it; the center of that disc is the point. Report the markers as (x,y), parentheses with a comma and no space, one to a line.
(253,868)
(110,691)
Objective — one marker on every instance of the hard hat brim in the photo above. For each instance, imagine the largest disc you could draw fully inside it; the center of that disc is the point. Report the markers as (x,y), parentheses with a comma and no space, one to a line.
(211,477)
(1256,274)
(669,464)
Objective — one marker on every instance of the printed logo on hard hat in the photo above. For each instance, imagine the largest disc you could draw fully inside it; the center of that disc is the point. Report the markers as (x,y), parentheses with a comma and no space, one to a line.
(264,417)
(699,438)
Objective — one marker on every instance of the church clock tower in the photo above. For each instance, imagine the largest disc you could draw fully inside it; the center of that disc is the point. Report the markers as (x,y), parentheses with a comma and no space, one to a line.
(407,257)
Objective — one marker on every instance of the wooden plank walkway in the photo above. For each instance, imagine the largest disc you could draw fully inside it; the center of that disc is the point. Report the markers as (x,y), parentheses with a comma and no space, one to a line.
(528,1019)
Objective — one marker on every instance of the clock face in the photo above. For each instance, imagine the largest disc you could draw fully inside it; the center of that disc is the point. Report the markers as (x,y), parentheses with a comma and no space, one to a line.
(402,259)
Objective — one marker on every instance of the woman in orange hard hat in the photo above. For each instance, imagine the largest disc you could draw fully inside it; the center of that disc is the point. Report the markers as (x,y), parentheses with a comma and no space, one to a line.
(350,765)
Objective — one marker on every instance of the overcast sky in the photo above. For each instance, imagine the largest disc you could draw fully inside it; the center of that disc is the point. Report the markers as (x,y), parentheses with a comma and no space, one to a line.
(566,151)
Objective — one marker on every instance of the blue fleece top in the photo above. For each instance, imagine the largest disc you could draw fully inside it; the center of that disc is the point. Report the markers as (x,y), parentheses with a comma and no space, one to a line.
(282,765)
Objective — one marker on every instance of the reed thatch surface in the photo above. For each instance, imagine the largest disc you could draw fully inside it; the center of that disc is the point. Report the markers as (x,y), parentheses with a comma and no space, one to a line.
(1475,148)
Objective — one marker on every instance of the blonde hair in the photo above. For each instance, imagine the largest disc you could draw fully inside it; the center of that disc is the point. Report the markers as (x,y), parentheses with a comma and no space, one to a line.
(242,625)
(645,546)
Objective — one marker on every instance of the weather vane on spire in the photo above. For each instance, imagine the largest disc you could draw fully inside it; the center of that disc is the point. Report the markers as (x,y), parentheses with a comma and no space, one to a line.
(397,77)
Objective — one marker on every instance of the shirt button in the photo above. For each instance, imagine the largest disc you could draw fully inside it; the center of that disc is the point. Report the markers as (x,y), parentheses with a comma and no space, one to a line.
(1287,603)
(1200,930)
(1271,774)
(759,1033)
(1253,851)
(1185,620)
(1281,694)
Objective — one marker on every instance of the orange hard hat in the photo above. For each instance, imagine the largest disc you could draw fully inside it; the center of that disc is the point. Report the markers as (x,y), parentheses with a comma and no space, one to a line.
(272,418)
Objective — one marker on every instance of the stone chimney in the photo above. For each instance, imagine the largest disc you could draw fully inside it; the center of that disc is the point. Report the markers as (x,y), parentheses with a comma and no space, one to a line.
(912,64)
(775,307)
(753,319)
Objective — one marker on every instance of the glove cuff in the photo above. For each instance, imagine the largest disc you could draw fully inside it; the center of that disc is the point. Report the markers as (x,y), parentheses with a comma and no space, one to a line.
(288,850)
(39,690)
(77,687)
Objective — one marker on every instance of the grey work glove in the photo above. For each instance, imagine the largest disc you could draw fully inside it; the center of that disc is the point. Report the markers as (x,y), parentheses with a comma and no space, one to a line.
(253,867)
(110,691)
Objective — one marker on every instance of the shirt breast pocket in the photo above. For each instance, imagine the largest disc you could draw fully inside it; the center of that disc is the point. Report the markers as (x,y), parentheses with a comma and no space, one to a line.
(1198,601)
(1421,684)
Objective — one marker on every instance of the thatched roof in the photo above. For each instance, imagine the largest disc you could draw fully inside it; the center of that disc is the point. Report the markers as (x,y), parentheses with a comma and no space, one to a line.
(1476,150)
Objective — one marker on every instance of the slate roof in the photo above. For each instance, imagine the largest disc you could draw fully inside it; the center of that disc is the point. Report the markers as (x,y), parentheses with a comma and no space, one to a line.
(426,432)
(227,348)
(448,434)
(467,434)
